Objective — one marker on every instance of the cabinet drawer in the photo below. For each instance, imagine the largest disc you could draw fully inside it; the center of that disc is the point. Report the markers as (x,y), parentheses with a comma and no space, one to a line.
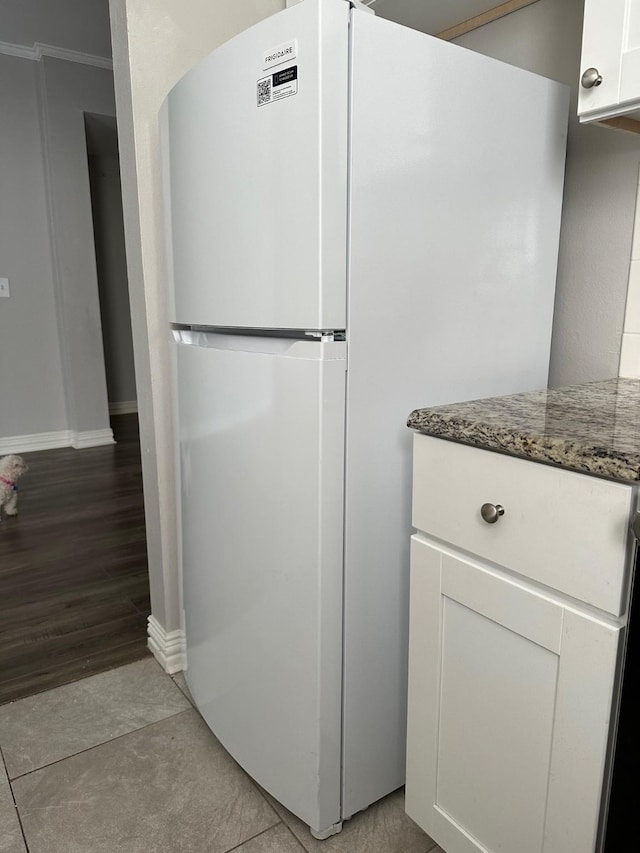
(566,530)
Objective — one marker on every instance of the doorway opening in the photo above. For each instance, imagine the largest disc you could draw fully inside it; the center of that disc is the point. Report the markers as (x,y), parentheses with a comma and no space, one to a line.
(111,262)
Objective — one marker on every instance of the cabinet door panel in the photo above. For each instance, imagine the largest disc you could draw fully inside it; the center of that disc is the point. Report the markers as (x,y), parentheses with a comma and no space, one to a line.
(602,35)
(509,698)
(630,61)
(497,692)
(611,43)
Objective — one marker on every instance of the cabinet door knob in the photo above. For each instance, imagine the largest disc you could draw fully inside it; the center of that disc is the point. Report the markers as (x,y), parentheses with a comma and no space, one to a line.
(491,512)
(635,525)
(591,78)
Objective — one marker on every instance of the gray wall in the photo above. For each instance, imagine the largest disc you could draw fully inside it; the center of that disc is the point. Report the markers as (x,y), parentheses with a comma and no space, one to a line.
(108,229)
(599,198)
(81,25)
(68,90)
(51,361)
(30,360)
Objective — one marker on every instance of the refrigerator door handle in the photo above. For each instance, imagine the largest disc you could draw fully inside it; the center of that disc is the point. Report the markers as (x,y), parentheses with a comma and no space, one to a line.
(324,346)
(324,335)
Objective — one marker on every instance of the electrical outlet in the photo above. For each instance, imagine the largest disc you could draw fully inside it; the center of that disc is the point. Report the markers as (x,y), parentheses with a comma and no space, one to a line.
(4,287)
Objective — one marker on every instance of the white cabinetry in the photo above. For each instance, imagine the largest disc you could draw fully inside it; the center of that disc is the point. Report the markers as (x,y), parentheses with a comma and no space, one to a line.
(611,46)
(515,640)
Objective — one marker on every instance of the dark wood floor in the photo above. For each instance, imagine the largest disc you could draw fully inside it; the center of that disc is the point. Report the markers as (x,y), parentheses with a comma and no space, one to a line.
(74,586)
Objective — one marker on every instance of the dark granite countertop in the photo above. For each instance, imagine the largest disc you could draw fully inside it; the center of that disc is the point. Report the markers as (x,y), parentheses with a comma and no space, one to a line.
(592,428)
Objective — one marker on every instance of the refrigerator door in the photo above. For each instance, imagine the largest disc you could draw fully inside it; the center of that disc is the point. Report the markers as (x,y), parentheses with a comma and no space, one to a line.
(261,430)
(456,191)
(257,172)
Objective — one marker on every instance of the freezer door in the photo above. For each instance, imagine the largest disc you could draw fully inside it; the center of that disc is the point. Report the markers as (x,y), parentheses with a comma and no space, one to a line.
(261,425)
(257,166)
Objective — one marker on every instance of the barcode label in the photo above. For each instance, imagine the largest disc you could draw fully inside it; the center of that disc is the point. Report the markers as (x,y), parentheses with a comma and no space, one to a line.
(276,86)
(264,91)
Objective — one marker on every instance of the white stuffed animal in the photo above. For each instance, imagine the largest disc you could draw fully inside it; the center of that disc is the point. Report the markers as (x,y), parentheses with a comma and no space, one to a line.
(11,469)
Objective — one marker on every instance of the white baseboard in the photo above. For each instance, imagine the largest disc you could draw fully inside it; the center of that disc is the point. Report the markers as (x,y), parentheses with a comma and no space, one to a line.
(36,441)
(125,407)
(168,647)
(55,440)
(92,438)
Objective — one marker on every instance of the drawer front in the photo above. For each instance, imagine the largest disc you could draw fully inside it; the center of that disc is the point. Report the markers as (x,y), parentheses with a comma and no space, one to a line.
(566,530)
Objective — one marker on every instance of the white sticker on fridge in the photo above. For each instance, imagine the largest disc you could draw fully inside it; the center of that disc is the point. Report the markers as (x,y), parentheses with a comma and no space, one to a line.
(277,55)
(279,85)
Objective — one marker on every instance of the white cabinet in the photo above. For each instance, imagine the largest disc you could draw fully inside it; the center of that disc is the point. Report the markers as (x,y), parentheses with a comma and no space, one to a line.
(511,681)
(611,46)
(509,703)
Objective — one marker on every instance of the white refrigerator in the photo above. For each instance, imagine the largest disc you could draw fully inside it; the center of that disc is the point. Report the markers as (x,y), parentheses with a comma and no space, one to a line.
(363,219)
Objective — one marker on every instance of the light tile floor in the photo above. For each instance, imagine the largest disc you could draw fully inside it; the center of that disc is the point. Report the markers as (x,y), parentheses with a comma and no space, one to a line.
(122,763)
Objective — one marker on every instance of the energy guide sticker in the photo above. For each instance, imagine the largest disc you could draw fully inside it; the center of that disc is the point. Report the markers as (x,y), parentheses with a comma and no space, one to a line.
(279,85)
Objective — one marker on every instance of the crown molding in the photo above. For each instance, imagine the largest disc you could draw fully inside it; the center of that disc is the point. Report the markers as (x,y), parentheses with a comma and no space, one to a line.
(71,55)
(17,50)
(39,50)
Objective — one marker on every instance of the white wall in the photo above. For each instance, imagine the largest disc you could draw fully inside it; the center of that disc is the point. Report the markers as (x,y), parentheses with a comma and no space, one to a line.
(30,360)
(153,45)
(68,90)
(599,199)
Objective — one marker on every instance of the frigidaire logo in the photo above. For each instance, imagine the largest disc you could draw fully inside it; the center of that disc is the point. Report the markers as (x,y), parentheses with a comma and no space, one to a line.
(280,53)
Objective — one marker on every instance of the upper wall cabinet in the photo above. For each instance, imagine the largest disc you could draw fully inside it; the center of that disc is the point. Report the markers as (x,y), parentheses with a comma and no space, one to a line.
(610,70)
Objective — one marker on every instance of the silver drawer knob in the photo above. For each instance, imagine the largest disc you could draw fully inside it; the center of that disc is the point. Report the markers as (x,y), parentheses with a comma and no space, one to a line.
(591,78)
(491,512)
